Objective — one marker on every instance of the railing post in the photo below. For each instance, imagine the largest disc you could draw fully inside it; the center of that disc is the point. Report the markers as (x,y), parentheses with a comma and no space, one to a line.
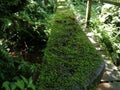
(88,12)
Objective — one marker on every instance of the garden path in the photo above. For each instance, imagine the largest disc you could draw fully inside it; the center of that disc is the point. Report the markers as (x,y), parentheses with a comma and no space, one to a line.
(111,76)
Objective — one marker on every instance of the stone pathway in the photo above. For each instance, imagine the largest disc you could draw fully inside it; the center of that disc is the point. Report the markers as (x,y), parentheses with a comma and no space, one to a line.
(111,76)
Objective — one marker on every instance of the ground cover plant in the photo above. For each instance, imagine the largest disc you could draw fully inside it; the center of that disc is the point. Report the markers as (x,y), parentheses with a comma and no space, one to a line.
(12,69)
(109,29)
(70,60)
(106,29)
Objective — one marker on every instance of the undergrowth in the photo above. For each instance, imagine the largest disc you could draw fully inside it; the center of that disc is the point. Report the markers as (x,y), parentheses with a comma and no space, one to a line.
(11,70)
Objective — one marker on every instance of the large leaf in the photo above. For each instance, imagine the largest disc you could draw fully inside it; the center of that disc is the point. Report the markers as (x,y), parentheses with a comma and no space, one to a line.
(30,84)
(13,86)
(20,84)
(6,85)
(24,79)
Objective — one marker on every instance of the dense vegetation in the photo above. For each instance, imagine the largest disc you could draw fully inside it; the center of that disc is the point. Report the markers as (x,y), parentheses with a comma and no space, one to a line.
(23,23)
(23,35)
(106,27)
(14,72)
(28,26)
(105,23)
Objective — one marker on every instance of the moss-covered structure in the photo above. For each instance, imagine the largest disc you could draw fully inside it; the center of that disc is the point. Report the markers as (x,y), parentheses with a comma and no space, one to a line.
(70,60)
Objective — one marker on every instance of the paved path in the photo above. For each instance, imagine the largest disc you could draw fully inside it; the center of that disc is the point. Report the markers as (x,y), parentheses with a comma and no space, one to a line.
(111,76)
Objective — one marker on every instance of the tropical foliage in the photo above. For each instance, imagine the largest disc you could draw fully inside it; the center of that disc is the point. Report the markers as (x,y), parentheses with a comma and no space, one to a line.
(106,27)
(23,23)
(44,48)
(23,30)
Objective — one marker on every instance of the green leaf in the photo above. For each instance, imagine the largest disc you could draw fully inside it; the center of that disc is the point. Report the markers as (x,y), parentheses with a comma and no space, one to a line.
(30,80)
(20,84)
(13,86)
(31,85)
(24,79)
(6,85)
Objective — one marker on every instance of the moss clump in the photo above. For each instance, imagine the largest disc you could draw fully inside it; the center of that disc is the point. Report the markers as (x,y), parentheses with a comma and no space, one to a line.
(70,60)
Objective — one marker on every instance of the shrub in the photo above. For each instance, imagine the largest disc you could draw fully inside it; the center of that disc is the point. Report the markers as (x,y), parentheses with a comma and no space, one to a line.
(12,68)
(107,28)
(23,22)
(70,60)
(20,84)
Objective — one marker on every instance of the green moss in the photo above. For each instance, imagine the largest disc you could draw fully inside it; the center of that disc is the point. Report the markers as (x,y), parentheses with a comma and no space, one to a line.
(70,60)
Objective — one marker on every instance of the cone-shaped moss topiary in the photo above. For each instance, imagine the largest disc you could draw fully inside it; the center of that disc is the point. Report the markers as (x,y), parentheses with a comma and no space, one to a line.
(70,60)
